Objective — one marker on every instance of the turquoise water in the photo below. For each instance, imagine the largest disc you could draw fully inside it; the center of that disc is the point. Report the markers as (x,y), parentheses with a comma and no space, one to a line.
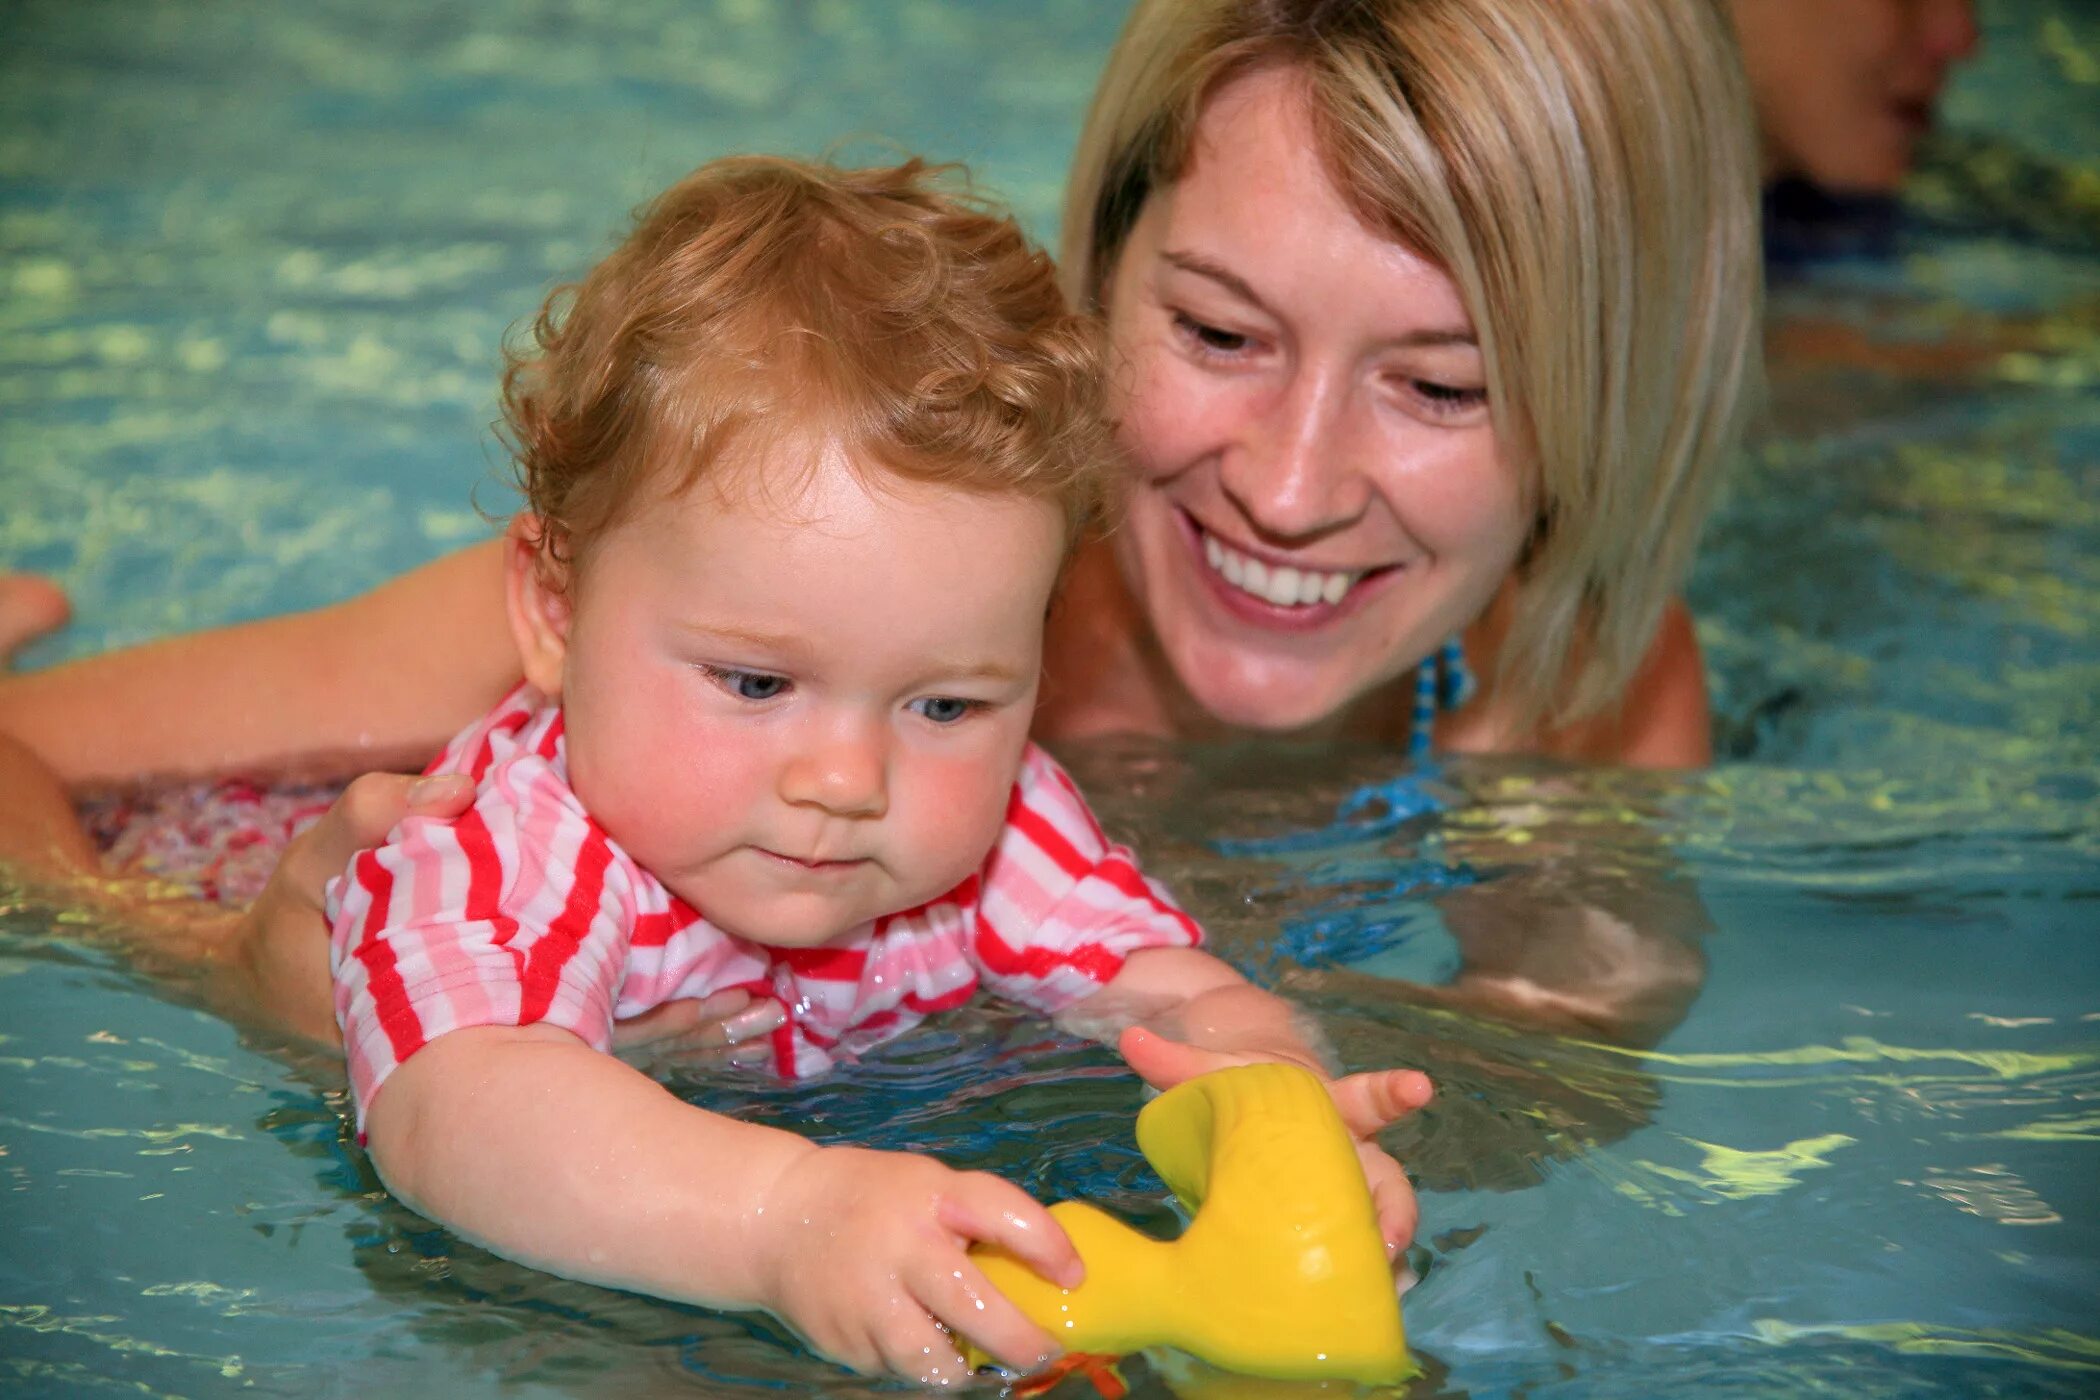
(254,263)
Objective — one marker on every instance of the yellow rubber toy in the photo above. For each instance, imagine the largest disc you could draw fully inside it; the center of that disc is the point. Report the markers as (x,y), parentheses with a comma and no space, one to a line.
(1281,1272)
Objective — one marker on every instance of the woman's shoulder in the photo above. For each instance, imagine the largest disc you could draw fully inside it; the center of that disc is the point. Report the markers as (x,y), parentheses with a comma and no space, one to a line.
(1661,721)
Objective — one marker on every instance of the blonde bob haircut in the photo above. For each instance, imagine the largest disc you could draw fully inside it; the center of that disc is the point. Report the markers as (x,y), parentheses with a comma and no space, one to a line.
(765,302)
(1586,172)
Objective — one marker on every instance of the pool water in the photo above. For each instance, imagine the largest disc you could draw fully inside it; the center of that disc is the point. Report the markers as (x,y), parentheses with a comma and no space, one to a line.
(254,264)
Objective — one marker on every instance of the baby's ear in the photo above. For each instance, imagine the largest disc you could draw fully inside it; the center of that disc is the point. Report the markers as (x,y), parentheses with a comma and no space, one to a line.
(536,590)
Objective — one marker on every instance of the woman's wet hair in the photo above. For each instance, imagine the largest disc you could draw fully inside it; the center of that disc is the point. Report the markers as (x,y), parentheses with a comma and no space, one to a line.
(763,307)
(1586,173)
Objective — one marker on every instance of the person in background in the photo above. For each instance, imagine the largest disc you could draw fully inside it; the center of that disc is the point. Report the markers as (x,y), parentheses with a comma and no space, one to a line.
(1845,92)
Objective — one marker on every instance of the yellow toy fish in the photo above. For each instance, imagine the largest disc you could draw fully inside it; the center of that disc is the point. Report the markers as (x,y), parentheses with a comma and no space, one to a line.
(1281,1272)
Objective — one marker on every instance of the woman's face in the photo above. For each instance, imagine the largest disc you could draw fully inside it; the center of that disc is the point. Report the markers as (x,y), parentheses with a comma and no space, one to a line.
(1316,497)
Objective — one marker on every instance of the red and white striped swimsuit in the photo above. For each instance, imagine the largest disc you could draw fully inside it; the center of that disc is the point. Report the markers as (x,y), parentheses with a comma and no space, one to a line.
(523,910)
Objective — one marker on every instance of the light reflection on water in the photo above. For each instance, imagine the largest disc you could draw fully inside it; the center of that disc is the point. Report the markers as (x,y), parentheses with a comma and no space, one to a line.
(247,348)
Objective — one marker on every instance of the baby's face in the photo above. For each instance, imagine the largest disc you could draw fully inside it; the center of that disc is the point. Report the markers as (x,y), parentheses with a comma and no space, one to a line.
(802,708)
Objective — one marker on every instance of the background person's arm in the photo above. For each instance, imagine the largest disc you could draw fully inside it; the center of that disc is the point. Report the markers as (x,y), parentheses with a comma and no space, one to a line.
(378,681)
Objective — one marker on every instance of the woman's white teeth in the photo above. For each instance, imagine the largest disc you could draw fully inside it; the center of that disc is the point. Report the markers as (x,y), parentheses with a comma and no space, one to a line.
(1280,584)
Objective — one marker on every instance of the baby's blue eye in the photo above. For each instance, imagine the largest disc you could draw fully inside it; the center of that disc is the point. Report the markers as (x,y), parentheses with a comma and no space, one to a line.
(943,709)
(748,685)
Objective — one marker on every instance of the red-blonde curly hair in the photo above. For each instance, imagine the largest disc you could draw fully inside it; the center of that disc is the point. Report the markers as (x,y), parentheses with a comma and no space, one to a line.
(882,308)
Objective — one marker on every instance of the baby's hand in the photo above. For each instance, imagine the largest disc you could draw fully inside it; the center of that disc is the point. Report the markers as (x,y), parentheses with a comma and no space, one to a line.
(1368,1102)
(867,1258)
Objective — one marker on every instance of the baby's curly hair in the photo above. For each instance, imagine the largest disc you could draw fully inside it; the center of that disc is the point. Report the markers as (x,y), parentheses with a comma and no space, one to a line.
(885,308)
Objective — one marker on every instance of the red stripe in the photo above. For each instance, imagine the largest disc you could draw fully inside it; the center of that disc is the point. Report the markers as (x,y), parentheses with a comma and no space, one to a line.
(946,1001)
(824,964)
(657,930)
(397,1017)
(551,740)
(552,951)
(1047,838)
(1120,873)
(784,1045)
(1089,960)
(484,899)
(509,724)
(654,930)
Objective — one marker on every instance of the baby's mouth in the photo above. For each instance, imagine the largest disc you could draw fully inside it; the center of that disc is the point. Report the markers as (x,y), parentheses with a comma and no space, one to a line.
(1279,585)
(815,866)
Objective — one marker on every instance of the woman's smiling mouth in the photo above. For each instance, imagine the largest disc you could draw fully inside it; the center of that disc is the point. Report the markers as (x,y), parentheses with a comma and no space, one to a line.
(1273,593)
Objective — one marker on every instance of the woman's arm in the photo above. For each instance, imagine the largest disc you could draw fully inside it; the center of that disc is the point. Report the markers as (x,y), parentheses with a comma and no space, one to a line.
(377,681)
(528,1141)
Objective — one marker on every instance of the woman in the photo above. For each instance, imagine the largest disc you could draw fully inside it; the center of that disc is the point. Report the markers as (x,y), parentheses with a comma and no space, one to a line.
(1432,321)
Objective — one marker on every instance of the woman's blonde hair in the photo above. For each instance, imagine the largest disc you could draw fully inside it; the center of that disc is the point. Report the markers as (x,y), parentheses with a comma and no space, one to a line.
(1585,171)
(886,307)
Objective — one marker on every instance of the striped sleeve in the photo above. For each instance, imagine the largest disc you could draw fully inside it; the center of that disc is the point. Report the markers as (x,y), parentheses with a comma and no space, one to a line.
(1061,905)
(516,913)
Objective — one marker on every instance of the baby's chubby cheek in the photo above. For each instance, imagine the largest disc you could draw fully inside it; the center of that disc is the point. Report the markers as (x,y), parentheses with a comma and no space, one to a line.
(956,813)
(661,785)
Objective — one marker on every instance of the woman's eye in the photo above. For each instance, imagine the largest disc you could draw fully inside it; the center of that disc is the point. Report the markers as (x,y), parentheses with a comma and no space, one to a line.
(1212,339)
(747,685)
(943,709)
(1447,398)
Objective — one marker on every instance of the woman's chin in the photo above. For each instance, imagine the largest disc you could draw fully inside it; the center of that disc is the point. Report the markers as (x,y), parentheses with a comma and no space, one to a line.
(1268,699)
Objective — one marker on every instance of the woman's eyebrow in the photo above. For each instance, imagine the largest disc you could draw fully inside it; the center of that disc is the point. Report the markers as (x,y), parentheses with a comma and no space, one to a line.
(1201,266)
(1198,265)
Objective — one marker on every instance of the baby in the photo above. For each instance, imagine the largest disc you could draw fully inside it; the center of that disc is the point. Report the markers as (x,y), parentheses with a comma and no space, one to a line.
(804,458)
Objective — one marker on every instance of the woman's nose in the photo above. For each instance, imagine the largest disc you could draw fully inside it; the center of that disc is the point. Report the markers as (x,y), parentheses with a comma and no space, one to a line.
(843,769)
(1290,474)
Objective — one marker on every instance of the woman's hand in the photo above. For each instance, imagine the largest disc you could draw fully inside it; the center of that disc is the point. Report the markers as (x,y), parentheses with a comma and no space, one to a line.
(721,1027)
(1367,1101)
(868,1260)
(279,954)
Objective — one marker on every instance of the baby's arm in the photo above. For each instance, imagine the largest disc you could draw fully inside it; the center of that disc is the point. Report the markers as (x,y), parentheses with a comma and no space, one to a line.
(554,1154)
(1181,1012)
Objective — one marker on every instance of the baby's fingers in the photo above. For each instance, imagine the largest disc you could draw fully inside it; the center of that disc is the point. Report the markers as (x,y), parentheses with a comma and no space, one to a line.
(982,1207)
(963,1300)
(1163,1063)
(915,1347)
(1370,1100)
(1392,1198)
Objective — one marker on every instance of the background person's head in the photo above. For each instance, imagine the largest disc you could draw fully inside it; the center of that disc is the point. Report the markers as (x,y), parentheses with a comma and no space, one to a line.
(1409,299)
(1844,88)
